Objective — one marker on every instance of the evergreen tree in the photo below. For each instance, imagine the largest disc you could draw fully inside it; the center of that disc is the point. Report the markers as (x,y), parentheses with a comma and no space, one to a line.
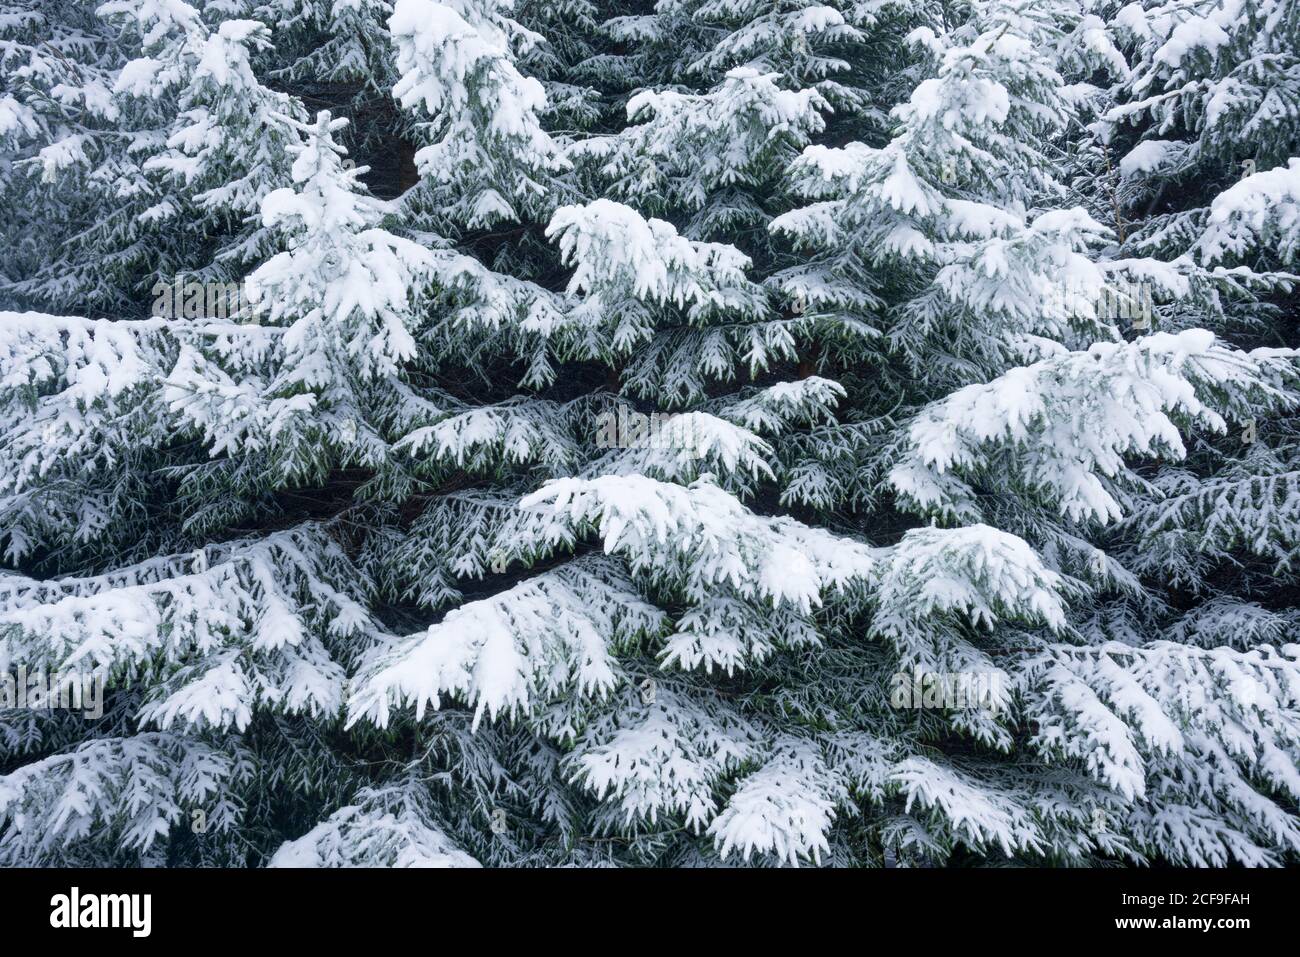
(701,432)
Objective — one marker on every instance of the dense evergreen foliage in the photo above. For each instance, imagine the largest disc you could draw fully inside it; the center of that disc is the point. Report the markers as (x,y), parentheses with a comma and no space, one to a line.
(705,431)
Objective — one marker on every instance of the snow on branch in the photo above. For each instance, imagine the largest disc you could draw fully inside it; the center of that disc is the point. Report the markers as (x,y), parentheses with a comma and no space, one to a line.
(982,573)
(1066,423)
(1261,210)
(784,809)
(704,537)
(679,448)
(1121,709)
(732,634)
(515,431)
(74,391)
(223,631)
(976,812)
(457,63)
(691,145)
(551,634)
(344,286)
(619,254)
(665,756)
(386,827)
(780,407)
(114,795)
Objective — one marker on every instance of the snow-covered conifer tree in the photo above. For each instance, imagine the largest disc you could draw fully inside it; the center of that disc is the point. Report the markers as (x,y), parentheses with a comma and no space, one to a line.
(683,434)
